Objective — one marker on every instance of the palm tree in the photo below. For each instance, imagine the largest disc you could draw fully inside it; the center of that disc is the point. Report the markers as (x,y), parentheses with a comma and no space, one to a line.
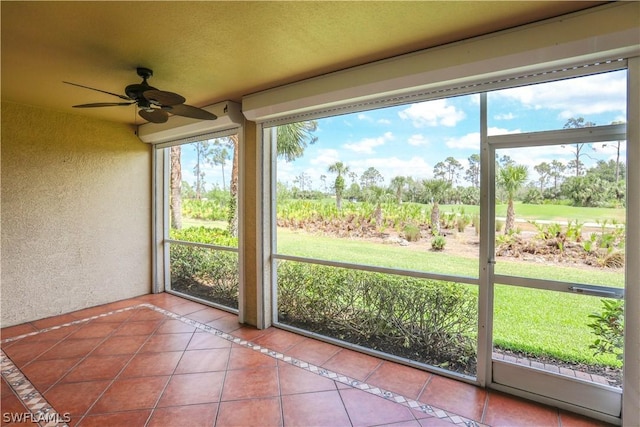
(292,139)
(220,157)
(338,186)
(176,183)
(398,185)
(437,189)
(511,178)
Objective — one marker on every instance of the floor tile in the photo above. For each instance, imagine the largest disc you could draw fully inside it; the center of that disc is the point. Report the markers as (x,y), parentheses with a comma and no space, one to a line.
(150,364)
(279,340)
(120,345)
(130,394)
(171,373)
(313,351)
(206,340)
(353,364)
(186,307)
(189,389)
(226,323)
(144,313)
(455,396)
(94,330)
(434,422)
(75,398)
(315,409)
(207,315)
(243,358)
(503,410)
(404,380)
(166,342)
(53,321)
(138,328)
(253,412)
(365,409)
(115,317)
(45,373)
(17,330)
(294,380)
(128,418)
(184,416)
(250,333)
(71,348)
(174,326)
(51,335)
(568,419)
(250,384)
(97,368)
(207,360)
(11,404)
(22,353)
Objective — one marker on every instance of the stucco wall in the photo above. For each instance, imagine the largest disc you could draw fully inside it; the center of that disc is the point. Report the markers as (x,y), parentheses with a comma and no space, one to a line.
(75,213)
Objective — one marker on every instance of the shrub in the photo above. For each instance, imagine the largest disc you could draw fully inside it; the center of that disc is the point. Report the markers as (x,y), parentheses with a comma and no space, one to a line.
(438,243)
(476,223)
(429,321)
(212,236)
(207,273)
(499,225)
(462,222)
(608,327)
(411,232)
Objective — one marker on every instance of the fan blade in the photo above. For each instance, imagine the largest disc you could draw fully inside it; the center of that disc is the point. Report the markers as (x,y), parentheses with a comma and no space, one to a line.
(192,112)
(99,90)
(160,97)
(154,116)
(103,104)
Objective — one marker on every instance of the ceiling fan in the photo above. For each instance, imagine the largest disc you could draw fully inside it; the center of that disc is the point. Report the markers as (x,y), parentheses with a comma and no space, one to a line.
(154,105)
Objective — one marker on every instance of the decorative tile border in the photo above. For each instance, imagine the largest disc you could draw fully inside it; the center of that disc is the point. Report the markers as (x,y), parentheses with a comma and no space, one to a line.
(40,411)
(39,406)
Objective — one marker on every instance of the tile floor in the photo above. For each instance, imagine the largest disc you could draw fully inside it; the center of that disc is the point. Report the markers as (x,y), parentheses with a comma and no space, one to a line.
(161,360)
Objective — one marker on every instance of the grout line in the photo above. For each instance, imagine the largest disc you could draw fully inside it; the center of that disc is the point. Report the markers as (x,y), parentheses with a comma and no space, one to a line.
(385,394)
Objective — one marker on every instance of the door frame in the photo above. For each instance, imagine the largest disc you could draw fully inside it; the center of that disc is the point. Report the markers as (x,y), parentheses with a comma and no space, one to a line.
(595,400)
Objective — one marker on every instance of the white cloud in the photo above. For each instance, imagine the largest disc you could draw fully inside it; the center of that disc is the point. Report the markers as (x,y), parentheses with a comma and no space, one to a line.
(391,167)
(367,144)
(364,117)
(325,157)
(417,140)
(580,97)
(384,121)
(501,131)
(508,116)
(471,141)
(432,113)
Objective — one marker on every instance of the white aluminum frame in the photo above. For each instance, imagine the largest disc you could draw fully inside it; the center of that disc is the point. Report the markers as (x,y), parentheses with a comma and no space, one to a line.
(595,400)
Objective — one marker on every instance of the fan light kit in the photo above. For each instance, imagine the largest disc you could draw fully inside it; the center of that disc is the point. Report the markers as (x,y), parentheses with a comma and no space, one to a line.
(154,105)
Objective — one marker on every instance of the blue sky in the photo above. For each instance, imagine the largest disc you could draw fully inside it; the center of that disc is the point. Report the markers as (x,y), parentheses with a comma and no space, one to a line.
(410,139)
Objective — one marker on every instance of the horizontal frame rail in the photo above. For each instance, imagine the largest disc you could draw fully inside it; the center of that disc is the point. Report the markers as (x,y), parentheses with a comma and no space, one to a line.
(202,245)
(552,285)
(387,270)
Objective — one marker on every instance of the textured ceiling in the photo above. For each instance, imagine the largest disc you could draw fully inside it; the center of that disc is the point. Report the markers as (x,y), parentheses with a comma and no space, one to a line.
(214,51)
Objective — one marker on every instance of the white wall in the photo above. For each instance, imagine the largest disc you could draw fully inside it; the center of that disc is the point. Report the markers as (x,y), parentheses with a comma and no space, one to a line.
(75,213)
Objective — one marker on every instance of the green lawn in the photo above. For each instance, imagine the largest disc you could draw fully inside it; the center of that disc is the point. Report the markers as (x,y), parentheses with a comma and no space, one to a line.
(548,212)
(525,319)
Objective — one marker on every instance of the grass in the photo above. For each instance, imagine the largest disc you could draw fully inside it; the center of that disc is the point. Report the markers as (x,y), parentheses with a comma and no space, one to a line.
(530,320)
(547,212)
